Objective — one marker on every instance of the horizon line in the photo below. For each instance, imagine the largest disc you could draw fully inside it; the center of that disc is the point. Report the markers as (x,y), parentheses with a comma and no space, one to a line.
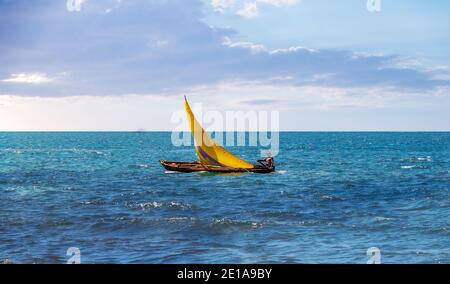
(169,131)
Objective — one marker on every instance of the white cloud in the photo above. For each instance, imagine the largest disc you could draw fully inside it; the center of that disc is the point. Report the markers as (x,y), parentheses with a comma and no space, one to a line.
(259,48)
(160,43)
(440,73)
(322,77)
(157,43)
(292,49)
(282,78)
(137,66)
(240,95)
(408,63)
(74,5)
(222,5)
(279,3)
(254,48)
(359,55)
(249,10)
(322,108)
(28,78)
(99,113)
(435,72)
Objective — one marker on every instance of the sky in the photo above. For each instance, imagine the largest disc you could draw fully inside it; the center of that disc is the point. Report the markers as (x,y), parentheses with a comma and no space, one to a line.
(324,65)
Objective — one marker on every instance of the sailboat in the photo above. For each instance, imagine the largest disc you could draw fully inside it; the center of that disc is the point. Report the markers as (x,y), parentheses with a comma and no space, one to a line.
(211,156)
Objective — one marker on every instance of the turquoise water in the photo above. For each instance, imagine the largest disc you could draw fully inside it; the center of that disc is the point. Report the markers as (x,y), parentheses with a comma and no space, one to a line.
(333,196)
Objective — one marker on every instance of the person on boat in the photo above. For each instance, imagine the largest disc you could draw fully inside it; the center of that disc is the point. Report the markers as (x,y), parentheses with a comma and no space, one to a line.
(268,162)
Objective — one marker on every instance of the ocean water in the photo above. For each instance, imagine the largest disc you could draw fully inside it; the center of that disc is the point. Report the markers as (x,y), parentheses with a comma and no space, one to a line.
(334,196)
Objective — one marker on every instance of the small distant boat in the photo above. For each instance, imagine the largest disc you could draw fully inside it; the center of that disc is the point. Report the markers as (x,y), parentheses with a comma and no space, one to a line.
(212,157)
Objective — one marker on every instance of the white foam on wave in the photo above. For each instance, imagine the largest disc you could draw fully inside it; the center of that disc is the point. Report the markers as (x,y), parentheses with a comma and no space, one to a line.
(153,204)
(381,219)
(160,204)
(234,222)
(282,172)
(427,158)
(418,159)
(329,197)
(408,167)
(13,150)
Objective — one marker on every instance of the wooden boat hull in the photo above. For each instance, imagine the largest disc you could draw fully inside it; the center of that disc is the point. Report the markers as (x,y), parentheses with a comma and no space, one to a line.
(189,167)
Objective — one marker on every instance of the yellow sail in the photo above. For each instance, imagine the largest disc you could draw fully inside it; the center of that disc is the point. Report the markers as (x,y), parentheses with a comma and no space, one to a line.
(208,152)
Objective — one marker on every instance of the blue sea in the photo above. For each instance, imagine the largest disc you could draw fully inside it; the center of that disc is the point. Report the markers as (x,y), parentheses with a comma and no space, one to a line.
(334,196)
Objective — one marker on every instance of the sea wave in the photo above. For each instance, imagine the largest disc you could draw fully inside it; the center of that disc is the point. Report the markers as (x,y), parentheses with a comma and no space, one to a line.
(225,223)
(417,159)
(160,204)
(408,167)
